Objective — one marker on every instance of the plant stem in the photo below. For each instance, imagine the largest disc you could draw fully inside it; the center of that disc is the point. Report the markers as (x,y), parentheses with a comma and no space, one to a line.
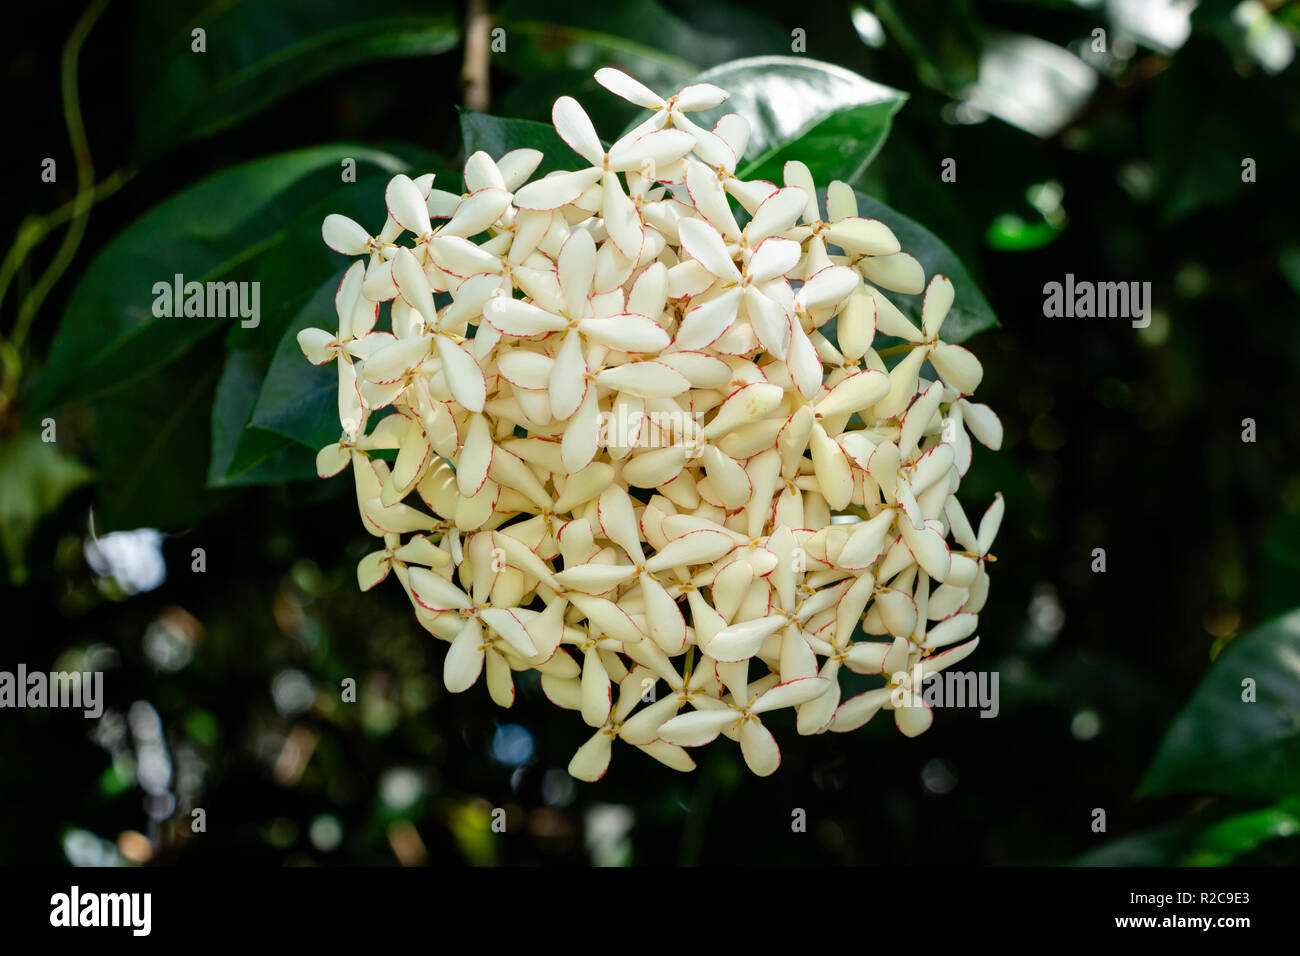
(898,349)
(474,76)
(85,176)
(33,229)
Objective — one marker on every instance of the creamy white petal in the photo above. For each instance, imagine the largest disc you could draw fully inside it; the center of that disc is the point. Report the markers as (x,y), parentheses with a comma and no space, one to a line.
(464,377)
(628,333)
(698,727)
(344,235)
(620,84)
(568,383)
(759,748)
(406,205)
(703,243)
(900,272)
(778,213)
(791,693)
(704,323)
(574,126)
(869,237)
(645,379)
(555,191)
(775,257)
(592,759)
(517,317)
(464,660)
(741,641)
(958,367)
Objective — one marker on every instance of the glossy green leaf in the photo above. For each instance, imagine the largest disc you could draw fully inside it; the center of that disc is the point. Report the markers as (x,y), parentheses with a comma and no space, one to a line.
(258,51)
(942,38)
(35,477)
(497,135)
(216,230)
(1196,136)
(1011,64)
(1160,846)
(971,312)
(554,46)
(153,446)
(1222,743)
(1288,261)
(841,146)
(243,454)
(1220,834)
(1280,563)
(787,99)
(299,400)
(1229,839)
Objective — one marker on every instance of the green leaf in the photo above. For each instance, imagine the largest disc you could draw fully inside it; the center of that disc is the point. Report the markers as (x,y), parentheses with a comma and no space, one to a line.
(1195,135)
(1280,563)
(257,52)
(554,47)
(1157,847)
(243,454)
(299,400)
(548,32)
(943,38)
(1217,835)
(1288,261)
(215,230)
(496,136)
(35,477)
(970,311)
(829,117)
(841,146)
(1220,743)
(1225,841)
(153,446)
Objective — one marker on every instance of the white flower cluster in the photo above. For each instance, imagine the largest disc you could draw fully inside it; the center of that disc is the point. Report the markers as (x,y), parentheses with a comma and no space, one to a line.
(631,451)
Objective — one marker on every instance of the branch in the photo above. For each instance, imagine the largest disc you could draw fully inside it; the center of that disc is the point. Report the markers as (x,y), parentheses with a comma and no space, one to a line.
(474,80)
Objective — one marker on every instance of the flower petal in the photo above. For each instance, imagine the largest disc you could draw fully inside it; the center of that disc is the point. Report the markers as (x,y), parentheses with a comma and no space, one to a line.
(698,727)
(705,323)
(556,191)
(592,759)
(775,257)
(464,660)
(620,84)
(344,235)
(703,243)
(574,126)
(627,333)
(464,377)
(759,748)
(778,213)
(406,205)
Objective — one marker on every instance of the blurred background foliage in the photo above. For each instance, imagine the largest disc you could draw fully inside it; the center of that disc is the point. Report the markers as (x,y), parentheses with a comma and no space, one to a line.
(1110,140)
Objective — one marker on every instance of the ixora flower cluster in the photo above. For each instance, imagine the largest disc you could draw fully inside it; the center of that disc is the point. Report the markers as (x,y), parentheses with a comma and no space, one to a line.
(653,454)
